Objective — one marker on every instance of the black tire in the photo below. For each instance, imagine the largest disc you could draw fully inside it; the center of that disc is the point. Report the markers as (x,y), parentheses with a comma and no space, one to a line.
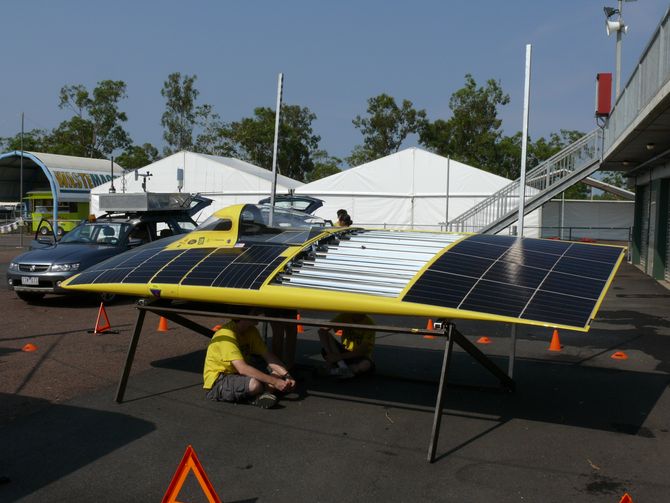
(107,298)
(30,296)
(44,230)
(60,231)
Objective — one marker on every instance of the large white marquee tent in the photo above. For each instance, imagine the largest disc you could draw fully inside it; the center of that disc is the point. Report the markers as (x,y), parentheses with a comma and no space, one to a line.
(406,189)
(225,180)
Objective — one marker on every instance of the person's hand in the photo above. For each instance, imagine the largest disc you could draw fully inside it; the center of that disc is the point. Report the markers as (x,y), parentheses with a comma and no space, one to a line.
(290,382)
(282,385)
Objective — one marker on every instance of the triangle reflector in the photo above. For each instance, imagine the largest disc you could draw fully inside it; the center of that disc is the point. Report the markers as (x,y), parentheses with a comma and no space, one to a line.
(190,463)
(101,314)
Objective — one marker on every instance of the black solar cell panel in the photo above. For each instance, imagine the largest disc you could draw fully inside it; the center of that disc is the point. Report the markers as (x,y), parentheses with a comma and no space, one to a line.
(540,280)
(207,271)
(177,269)
(146,270)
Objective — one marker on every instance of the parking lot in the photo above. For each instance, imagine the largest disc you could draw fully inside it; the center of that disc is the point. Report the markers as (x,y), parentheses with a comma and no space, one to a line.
(580,427)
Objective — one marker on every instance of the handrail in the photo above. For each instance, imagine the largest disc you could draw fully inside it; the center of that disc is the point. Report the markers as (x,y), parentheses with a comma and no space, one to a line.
(541,182)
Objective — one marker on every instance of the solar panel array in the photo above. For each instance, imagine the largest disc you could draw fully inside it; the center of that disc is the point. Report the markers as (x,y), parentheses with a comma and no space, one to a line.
(246,267)
(541,280)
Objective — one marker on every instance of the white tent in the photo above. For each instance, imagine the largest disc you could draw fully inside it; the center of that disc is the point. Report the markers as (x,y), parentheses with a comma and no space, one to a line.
(406,189)
(225,180)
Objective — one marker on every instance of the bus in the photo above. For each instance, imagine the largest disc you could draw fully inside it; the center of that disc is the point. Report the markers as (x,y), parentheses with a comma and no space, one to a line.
(40,206)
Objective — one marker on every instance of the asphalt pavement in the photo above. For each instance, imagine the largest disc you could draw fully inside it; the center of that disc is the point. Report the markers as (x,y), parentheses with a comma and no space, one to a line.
(580,426)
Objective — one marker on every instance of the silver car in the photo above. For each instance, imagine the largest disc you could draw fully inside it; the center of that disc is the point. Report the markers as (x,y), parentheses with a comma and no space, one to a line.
(41,270)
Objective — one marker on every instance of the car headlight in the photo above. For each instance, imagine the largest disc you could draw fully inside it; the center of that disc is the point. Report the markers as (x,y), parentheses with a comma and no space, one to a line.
(13,266)
(64,267)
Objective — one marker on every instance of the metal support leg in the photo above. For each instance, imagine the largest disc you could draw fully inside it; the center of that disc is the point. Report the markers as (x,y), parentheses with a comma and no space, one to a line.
(483,360)
(512,352)
(437,415)
(131,354)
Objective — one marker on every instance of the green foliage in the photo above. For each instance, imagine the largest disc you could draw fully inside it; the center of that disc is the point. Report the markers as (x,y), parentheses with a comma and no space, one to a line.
(252,139)
(385,128)
(473,132)
(613,178)
(95,130)
(137,156)
(324,165)
(182,116)
(35,140)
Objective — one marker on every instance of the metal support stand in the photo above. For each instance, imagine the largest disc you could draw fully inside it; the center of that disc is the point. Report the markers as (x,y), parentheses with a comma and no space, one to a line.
(448,330)
(437,414)
(130,356)
(512,352)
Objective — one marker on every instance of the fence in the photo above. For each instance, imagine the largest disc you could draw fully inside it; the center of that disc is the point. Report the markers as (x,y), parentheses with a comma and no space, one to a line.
(651,74)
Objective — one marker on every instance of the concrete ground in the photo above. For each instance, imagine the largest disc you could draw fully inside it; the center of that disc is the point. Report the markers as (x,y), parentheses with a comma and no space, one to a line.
(581,426)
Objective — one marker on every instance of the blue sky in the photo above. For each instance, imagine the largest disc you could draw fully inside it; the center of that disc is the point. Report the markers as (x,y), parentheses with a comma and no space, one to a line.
(335,55)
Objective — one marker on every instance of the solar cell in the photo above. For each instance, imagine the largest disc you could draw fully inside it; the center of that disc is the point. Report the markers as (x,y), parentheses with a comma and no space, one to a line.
(173,272)
(146,270)
(540,280)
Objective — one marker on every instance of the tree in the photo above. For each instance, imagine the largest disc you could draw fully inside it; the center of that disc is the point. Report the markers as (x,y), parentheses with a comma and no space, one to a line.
(252,140)
(182,116)
(324,165)
(613,178)
(474,130)
(385,128)
(95,130)
(137,156)
(35,140)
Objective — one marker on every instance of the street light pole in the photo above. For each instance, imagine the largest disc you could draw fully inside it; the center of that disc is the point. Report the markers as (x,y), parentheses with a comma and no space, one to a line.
(619,36)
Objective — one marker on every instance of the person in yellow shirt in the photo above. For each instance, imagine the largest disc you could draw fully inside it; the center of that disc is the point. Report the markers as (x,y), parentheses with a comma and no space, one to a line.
(353,354)
(239,368)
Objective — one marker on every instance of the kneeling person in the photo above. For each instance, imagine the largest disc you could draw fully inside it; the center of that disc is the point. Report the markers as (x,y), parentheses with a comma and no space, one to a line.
(353,355)
(232,375)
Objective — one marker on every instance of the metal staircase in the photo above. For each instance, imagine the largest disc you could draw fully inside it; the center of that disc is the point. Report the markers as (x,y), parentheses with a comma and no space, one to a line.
(548,179)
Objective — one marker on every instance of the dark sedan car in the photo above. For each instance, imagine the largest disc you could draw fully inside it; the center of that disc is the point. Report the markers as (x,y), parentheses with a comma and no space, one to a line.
(41,270)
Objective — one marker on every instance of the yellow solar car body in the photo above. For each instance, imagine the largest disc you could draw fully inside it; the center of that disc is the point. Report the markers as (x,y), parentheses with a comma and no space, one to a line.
(237,257)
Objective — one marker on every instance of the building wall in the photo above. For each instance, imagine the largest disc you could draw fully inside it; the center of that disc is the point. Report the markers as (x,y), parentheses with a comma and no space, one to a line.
(597,219)
(651,243)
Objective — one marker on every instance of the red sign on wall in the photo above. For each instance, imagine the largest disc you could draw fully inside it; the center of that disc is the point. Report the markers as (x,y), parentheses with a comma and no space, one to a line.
(603,94)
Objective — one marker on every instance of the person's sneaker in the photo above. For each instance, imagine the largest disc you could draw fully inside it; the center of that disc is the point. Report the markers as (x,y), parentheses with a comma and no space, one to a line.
(342,372)
(265,400)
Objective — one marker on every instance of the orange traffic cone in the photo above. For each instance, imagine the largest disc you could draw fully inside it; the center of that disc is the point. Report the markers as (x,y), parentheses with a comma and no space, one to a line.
(162,325)
(430,337)
(484,340)
(300,329)
(99,327)
(555,342)
(429,325)
(619,355)
(216,328)
(29,348)
(626,498)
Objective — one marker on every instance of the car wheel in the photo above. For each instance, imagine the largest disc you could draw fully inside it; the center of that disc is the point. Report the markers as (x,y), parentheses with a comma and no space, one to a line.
(30,296)
(60,231)
(107,297)
(44,230)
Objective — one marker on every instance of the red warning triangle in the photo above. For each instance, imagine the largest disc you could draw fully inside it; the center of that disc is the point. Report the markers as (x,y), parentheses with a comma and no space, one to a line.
(190,462)
(101,314)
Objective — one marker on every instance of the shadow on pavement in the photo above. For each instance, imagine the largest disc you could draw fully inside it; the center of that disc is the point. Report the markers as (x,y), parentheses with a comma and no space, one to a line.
(547,391)
(45,447)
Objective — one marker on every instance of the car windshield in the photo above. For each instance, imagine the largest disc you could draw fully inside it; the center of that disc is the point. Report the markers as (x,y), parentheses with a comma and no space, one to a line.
(102,233)
(283,217)
(255,218)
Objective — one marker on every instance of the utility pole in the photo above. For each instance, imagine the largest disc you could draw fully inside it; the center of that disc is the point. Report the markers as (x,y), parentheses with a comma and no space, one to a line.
(280,88)
(21,187)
